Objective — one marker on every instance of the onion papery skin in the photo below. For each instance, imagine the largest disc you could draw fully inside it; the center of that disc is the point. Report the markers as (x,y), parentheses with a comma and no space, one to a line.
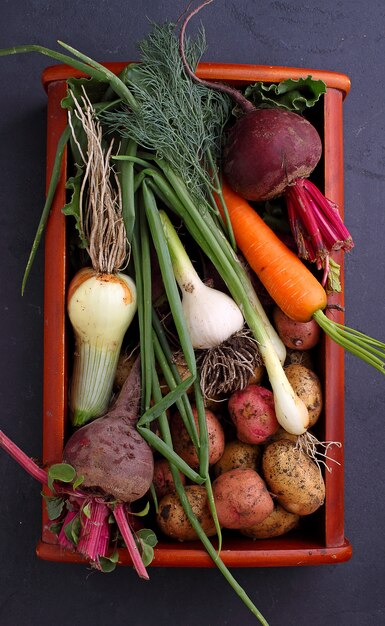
(101,308)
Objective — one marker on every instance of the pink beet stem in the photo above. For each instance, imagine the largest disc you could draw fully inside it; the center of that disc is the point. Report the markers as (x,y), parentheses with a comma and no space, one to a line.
(304,209)
(25,461)
(331,213)
(304,244)
(326,272)
(326,228)
(121,520)
(316,224)
(104,538)
(94,537)
(233,93)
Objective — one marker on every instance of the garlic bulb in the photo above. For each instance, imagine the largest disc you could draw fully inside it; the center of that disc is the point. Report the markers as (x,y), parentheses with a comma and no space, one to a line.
(211,316)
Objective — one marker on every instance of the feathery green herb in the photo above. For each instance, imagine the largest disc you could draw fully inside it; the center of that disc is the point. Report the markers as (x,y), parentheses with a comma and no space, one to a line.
(182,122)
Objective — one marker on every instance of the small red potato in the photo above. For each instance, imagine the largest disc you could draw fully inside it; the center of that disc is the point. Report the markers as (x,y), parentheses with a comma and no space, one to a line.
(163,481)
(252,411)
(185,447)
(241,498)
(296,335)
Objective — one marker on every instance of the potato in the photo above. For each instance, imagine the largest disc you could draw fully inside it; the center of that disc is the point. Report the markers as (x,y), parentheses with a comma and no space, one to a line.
(253,413)
(307,386)
(123,368)
(173,521)
(278,523)
(296,335)
(282,434)
(237,454)
(257,376)
(216,404)
(302,357)
(241,498)
(162,480)
(293,478)
(185,447)
(183,370)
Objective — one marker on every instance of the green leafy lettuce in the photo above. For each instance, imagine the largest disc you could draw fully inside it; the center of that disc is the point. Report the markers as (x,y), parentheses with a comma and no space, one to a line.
(290,94)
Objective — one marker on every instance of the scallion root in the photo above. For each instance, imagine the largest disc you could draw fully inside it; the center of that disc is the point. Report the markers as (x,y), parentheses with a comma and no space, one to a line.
(101,218)
(310,445)
(229,366)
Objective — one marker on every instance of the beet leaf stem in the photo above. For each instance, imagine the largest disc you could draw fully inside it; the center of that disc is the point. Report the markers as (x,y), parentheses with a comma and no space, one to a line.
(94,537)
(234,94)
(125,530)
(25,461)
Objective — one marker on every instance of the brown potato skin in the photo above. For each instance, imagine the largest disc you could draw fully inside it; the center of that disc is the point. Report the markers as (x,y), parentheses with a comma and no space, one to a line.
(293,478)
(282,434)
(296,335)
(307,386)
(301,357)
(241,498)
(278,523)
(257,376)
(183,370)
(237,454)
(173,521)
(185,447)
(123,368)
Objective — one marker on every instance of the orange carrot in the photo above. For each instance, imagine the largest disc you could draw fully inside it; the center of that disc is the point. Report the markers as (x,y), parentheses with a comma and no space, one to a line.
(291,285)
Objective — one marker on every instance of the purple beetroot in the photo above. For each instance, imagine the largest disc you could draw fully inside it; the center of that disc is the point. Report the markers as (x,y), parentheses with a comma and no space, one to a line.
(266,150)
(110,453)
(106,466)
(272,152)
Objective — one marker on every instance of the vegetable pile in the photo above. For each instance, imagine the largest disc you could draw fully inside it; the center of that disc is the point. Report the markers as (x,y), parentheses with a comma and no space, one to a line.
(169,193)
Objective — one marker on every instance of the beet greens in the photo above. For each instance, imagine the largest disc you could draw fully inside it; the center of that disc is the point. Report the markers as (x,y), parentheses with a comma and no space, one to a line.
(106,466)
(269,152)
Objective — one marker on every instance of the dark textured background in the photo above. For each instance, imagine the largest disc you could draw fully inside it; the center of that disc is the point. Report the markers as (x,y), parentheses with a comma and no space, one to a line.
(341,35)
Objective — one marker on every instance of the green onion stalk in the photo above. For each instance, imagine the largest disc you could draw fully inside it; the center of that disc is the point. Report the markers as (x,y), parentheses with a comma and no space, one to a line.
(159,348)
(151,413)
(155,226)
(213,553)
(157,411)
(290,410)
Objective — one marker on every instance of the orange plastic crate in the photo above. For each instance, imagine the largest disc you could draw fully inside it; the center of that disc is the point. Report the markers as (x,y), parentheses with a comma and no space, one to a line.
(321,538)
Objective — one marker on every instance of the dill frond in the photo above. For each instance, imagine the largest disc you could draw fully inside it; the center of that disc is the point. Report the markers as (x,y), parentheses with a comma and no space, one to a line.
(181,121)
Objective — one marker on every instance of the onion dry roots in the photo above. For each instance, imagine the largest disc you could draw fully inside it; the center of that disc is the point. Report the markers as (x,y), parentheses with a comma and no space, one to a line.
(229,367)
